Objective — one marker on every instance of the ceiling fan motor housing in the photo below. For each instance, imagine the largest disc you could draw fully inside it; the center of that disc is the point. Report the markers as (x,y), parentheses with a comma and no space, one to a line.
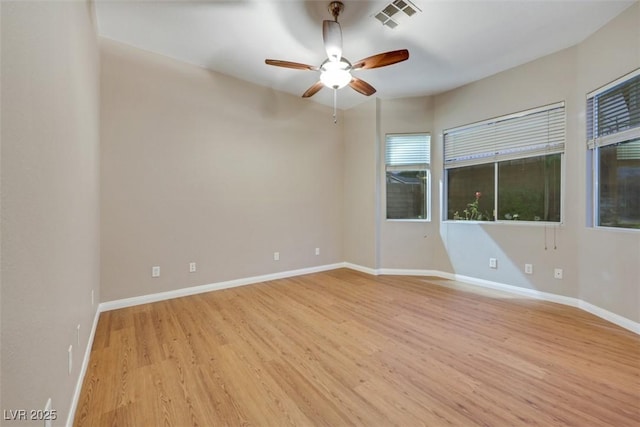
(335,7)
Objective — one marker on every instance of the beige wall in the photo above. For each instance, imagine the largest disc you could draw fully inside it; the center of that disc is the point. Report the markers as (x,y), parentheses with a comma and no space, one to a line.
(469,246)
(601,267)
(361,207)
(608,261)
(409,244)
(50,212)
(198,166)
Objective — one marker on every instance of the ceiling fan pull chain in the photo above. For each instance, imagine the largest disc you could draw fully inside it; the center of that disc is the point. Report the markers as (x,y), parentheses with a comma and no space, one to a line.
(335,105)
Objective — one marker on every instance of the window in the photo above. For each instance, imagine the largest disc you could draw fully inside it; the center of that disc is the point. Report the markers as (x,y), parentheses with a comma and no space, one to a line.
(407,175)
(508,168)
(530,188)
(613,133)
(473,184)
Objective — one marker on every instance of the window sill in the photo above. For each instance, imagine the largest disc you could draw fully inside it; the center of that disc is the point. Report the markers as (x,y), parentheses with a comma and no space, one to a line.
(507,223)
(407,220)
(615,229)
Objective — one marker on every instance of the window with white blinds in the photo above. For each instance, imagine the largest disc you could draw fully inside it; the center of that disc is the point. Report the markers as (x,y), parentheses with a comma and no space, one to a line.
(403,150)
(407,158)
(535,132)
(613,112)
(613,140)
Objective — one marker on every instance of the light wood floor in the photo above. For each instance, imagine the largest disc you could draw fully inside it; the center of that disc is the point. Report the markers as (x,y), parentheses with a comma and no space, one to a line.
(344,348)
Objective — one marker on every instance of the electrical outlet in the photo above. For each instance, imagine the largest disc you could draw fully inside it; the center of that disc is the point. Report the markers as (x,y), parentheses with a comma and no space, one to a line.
(155,271)
(557,273)
(528,268)
(317,251)
(192,267)
(276,256)
(493,263)
(70,351)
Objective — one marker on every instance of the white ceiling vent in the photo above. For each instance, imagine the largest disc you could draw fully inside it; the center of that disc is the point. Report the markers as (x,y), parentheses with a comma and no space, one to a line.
(393,13)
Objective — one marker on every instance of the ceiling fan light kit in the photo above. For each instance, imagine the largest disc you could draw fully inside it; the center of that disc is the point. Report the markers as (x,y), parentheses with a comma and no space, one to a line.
(335,74)
(335,71)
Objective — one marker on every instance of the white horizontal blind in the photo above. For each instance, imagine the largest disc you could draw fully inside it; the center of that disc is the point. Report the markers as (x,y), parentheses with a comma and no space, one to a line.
(530,133)
(613,112)
(628,151)
(404,151)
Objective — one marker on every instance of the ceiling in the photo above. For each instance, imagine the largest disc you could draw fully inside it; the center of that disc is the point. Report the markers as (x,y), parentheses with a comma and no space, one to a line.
(451,42)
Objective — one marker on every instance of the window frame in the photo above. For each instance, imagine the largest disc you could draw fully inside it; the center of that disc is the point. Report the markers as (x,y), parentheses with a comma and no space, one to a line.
(496,164)
(593,147)
(409,167)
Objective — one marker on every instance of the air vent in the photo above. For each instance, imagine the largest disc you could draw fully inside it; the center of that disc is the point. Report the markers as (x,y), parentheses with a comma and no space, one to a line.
(390,10)
(392,14)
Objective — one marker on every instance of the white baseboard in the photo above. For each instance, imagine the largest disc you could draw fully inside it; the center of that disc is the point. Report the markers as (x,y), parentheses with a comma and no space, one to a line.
(621,321)
(83,370)
(409,272)
(360,268)
(144,299)
(161,296)
(517,290)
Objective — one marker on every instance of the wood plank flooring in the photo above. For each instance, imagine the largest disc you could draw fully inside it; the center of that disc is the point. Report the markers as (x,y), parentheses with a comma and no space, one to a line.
(344,348)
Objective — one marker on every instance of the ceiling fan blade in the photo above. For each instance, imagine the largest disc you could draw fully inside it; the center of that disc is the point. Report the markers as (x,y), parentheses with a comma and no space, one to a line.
(313,89)
(332,36)
(289,64)
(361,86)
(381,60)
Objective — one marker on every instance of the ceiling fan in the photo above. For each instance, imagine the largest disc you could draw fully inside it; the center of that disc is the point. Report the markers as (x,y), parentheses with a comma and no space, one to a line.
(335,71)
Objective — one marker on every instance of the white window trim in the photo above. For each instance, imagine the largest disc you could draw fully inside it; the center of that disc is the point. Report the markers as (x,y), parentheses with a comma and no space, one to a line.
(444,203)
(593,146)
(560,223)
(428,187)
(614,83)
